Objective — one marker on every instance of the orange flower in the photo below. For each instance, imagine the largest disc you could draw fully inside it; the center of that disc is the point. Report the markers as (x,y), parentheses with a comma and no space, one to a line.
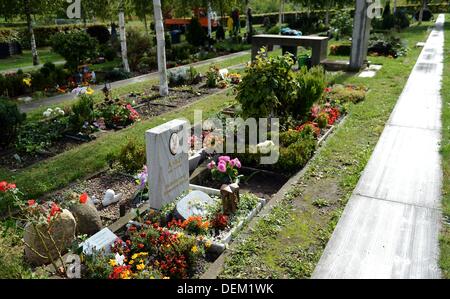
(83,198)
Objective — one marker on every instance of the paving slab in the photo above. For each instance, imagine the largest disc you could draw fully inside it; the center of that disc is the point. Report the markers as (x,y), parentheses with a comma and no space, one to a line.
(390,226)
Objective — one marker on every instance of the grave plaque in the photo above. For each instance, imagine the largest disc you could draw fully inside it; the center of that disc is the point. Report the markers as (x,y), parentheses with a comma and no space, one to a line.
(168,162)
(100,242)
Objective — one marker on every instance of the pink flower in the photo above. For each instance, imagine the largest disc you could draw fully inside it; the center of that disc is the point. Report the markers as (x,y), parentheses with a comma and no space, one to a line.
(237,163)
(222,167)
(232,163)
(225,158)
(211,165)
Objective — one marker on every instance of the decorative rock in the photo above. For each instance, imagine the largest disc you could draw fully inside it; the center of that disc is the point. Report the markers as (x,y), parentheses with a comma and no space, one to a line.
(111,197)
(194,204)
(62,232)
(88,219)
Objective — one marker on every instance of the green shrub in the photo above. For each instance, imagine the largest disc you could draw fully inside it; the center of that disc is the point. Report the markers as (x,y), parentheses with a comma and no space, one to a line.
(386,45)
(341,49)
(290,137)
(312,84)
(342,24)
(131,158)
(184,76)
(267,87)
(274,30)
(76,47)
(347,94)
(139,45)
(99,32)
(116,75)
(11,85)
(82,113)
(296,155)
(10,120)
(196,35)
(38,137)
(12,265)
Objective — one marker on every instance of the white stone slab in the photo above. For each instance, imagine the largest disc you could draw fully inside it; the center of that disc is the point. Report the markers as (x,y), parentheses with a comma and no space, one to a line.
(100,242)
(168,162)
(382,239)
(405,167)
(367,74)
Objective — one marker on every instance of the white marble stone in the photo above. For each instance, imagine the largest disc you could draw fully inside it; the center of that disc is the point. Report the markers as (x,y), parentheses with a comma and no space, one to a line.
(168,162)
(100,242)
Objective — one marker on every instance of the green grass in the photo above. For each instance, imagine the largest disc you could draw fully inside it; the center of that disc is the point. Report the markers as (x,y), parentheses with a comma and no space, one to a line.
(26,59)
(445,150)
(288,242)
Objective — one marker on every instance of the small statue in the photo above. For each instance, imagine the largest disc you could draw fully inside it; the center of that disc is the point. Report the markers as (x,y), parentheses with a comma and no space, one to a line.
(111,197)
(230,198)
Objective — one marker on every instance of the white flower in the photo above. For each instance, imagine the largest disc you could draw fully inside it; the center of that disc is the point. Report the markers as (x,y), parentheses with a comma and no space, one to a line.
(119,259)
(223,73)
(266,147)
(48,112)
(59,111)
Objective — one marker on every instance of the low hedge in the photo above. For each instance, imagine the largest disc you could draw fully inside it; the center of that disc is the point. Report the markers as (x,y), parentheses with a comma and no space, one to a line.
(43,34)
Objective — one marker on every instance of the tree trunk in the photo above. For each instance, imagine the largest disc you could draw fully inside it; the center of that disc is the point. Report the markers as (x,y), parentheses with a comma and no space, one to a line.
(123,41)
(31,32)
(161,45)
(395,6)
(247,21)
(146,26)
(280,17)
(327,16)
(209,13)
(424,5)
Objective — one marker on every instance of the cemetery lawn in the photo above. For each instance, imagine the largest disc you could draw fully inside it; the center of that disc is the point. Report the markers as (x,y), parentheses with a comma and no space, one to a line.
(445,233)
(26,59)
(289,240)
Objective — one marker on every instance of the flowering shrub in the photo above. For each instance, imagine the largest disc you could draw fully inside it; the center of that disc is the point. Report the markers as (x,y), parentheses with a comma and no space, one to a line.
(117,113)
(226,170)
(220,221)
(194,225)
(153,252)
(49,113)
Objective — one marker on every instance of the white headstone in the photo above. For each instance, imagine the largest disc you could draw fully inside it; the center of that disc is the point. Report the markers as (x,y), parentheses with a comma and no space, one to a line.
(168,162)
(100,242)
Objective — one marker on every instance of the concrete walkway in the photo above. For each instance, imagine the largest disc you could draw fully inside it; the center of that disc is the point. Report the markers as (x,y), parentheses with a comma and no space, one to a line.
(390,227)
(59,99)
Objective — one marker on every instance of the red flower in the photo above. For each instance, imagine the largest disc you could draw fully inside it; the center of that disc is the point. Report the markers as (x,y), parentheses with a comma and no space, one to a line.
(31,202)
(83,198)
(3,186)
(54,210)
(140,245)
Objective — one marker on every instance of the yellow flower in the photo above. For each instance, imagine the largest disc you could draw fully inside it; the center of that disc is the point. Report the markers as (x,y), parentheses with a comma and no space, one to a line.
(112,263)
(194,249)
(208,244)
(131,262)
(140,267)
(134,256)
(27,81)
(166,277)
(89,91)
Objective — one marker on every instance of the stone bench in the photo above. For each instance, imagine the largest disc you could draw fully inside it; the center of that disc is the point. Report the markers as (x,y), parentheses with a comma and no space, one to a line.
(318,44)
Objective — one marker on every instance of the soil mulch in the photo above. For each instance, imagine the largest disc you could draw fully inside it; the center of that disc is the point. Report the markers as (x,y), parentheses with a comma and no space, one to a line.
(96,187)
